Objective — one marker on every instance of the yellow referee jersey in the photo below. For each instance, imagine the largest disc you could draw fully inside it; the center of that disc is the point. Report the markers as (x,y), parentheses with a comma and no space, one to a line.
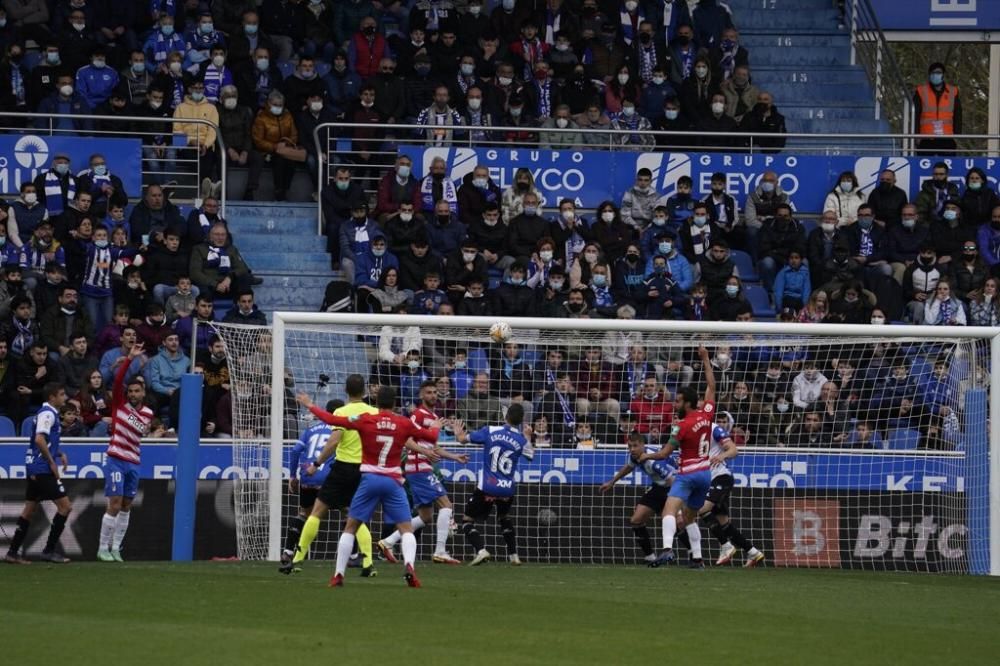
(349,449)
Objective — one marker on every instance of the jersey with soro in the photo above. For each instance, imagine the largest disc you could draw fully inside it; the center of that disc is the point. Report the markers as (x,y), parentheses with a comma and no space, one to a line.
(422,417)
(46,423)
(503,447)
(660,472)
(694,434)
(128,424)
(304,452)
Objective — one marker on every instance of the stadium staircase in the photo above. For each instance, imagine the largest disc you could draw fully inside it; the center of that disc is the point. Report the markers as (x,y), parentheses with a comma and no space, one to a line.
(800,55)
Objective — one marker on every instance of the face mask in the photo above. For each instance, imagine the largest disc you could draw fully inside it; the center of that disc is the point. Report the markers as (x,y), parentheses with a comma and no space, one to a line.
(732,290)
(658,80)
(700,220)
(197,96)
(443,219)
(590,257)
(530,211)
(975,185)
(926,261)
(562,123)
(878,321)
(100,169)
(52,58)
(701,72)
(79,27)
(30,198)
(276,110)
(632,258)
(629,111)
(517,282)
(767,186)
(623,79)
(467,69)
(574,307)
(62,168)
(343,185)
(545,255)
(782,407)
(909,224)
(600,280)
(950,215)
(263,64)
(505,80)
(475,103)
(207,28)
(508,4)
(101,243)
(474,10)
(481,183)
(608,216)
(666,247)
(718,108)
(489,222)
(66,91)
(828,227)
(850,299)
(218,60)
(631,5)
(378,251)
(865,222)
(468,257)
(672,114)
(229,103)
(175,67)
(568,215)
(846,186)
(167,30)
(413,365)
(936,78)
(138,67)
(406,217)
(515,111)
(556,285)
(562,47)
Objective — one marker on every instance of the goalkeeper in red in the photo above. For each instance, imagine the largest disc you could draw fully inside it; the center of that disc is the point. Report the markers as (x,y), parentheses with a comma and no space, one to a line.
(383,437)
(693,435)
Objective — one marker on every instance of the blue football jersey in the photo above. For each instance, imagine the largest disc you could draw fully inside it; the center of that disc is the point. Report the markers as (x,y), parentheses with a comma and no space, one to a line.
(503,447)
(305,450)
(719,435)
(46,423)
(660,472)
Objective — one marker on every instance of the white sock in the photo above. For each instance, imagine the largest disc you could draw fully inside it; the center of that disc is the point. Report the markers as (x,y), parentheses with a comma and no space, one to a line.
(121,526)
(344,548)
(107,531)
(443,527)
(753,552)
(409,548)
(669,529)
(694,535)
(394,538)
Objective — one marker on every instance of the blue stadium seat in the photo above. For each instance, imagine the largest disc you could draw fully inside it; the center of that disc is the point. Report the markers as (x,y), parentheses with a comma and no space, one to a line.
(322,68)
(7,428)
(31,59)
(759,300)
(744,263)
(221,307)
(27,426)
(903,439)
(286,67)
(478,361)
(808,226)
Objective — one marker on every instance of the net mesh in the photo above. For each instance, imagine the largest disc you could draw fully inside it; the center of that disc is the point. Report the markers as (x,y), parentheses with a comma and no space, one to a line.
(858,453)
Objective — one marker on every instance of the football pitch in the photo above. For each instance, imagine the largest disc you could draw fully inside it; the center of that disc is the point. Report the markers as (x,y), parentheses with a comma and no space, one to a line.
(240,613)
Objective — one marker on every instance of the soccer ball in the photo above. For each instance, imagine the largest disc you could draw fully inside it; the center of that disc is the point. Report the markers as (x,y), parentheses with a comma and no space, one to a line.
(500,331)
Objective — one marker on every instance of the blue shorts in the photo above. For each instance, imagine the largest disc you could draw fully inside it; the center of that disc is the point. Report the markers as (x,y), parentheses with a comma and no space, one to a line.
(377,489)
(121,479)
(425,487)
(692,488)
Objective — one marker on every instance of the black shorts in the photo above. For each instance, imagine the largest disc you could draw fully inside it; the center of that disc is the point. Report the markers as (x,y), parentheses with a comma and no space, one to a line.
(718,494)
(655,498)
(340,485)
(43,487)
(480,504)
(307,496)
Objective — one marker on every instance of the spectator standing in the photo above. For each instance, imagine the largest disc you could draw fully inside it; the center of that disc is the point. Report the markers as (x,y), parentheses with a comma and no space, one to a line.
(764,118)
(937,107)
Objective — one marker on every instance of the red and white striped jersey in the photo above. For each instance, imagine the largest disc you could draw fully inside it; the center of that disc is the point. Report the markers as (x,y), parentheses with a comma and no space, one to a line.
(422,418)
(128,424)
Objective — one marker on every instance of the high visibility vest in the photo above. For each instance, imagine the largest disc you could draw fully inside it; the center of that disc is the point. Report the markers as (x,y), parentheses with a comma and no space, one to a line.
(937,114)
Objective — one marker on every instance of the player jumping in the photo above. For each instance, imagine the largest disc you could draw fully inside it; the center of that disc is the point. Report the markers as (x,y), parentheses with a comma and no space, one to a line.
(692,435)
(342,481)
(43,478)
(312,441)
(715,512)
(383,437)
(652,502)
(426,489)
(503,446)
(130,420)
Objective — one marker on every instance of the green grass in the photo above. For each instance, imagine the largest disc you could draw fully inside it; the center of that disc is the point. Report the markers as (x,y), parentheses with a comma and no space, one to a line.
(228,613)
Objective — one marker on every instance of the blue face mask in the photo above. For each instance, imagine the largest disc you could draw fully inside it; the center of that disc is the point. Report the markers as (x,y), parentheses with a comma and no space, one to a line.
(167,30)
(530,211)
(517,282)
(767,186)
(732,290)
(950,215)
(865,222)
(600,280)
(343,184)
(665,247)
(251,29)
(936,79)
(378,252)
(101,243)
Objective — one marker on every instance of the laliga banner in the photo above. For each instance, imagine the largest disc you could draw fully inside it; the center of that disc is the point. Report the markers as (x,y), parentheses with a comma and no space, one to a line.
(24,157)
(591,177)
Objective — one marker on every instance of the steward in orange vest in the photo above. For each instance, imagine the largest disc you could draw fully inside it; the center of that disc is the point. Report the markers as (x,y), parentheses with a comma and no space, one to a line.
(938,112)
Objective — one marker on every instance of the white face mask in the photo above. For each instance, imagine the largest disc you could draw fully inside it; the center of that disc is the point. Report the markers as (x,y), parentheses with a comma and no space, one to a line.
(66,91)
(561,123)
(174,67)
(623,79)
(468,257)
(878,321)
(568,215)
(608,216)
(590,257)
(545,255)
(504,80)
(701,72)
(30,198)
(718,108)
(229,103)
(475,103)
(218,60)
(629,111)
(315,107)
(828,227)
(406,217)
(658,80)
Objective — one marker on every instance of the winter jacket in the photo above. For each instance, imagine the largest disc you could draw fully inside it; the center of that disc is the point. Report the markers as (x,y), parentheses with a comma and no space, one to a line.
(845,205)
(968,277)
(988,241)
(934,312)
(96,84)
(269,129)
(778,242)
(198,134)
(739,101)
(904,245)
(761,205)
(53,331)
(887,205)
(930,200)
(512,300)
(355,240)
(413,268)
(255,317)
(166,370)
(637,206)
(755,122)
(977,206)
(400,234)
(204,276)
(391,194)
(714,275)
(524,232)
(876,235)
(472,200)
(806,391)
(368,268)
(948,240)
(445,238)
(457,273)
(792,284)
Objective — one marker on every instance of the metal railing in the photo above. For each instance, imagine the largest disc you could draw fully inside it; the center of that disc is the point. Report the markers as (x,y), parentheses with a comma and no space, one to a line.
(179,167)
(869,47)
(336,146)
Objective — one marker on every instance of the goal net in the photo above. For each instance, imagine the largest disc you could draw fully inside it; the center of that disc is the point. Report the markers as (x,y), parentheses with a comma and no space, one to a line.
(859,447)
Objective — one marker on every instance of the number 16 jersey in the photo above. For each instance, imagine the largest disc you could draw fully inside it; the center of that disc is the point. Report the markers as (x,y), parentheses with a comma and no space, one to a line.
(503,446)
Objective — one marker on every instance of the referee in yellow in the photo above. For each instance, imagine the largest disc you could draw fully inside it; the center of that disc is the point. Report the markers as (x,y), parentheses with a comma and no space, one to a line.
(341,483)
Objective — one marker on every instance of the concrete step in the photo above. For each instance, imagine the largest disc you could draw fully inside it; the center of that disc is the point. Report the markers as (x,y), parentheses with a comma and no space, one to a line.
(807,76)
(741,7)
(791,17)
(757,41)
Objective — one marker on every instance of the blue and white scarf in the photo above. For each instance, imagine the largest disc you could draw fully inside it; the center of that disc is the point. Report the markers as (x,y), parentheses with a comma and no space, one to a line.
(163,45)
(629,30)
(218,259)
(54,201)
(17,85)
(569,419)
(98,182)
(602,297)
(22,338)
(97,274)
(647,61)
(728,62)
(544,98)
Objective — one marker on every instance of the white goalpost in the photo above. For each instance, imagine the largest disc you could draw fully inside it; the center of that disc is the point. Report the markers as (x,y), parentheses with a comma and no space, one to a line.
(860,447)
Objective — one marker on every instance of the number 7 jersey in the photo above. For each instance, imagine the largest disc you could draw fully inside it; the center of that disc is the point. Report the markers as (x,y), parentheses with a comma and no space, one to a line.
(694,434)
(503,446)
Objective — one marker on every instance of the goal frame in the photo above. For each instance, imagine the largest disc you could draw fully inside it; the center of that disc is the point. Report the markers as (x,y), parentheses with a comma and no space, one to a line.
(281,319)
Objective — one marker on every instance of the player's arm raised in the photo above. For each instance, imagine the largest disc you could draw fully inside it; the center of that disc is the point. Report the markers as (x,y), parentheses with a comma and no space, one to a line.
(706,363)
(619,475)
(325,416)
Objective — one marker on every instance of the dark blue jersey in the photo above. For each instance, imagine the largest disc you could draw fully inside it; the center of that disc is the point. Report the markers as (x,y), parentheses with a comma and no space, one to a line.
(47,424)
(304,452)
(503,447)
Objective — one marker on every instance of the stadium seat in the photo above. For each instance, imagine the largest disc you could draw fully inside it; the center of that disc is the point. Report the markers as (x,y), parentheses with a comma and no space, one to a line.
(903,439)
(759,300)
(478,361)
(31,59)
(27,426)
(7,428)
(808,225)
(286,67)
(744,263)
(322,68)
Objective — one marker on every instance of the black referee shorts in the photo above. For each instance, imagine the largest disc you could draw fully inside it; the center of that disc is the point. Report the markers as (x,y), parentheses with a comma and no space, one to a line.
(718,494)
(480,505)
(43,487)
(340,485)
(307,496)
